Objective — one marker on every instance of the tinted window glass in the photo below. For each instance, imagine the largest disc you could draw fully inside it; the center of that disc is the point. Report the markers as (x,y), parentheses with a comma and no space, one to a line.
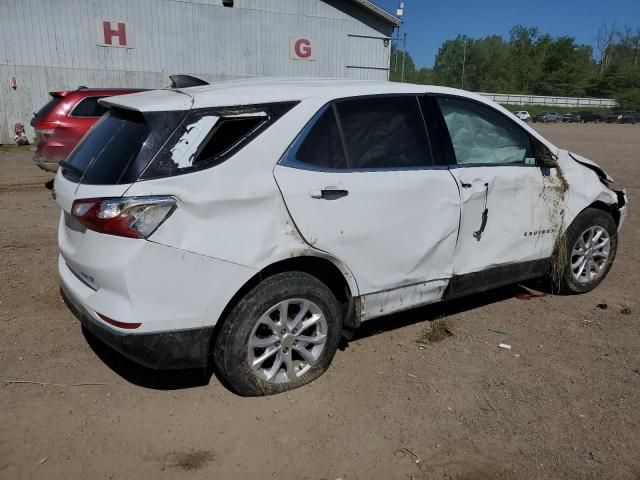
(322,146)
(384,132)
(227,133)
(88,107)
(481,135)
(107,150)
(48,107)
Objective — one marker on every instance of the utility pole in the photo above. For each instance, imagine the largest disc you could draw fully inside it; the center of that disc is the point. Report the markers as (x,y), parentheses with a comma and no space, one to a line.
(404,54)
(464,59)
(399,13)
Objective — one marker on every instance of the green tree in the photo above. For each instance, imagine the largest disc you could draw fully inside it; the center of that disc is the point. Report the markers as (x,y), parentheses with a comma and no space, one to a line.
(531,62)
(411,74)
(629,99)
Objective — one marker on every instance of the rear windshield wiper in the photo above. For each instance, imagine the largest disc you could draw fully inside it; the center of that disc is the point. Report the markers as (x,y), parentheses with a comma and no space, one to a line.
(68,166)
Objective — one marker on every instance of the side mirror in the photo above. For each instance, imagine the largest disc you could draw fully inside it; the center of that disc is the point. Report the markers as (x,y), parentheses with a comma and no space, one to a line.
(544,157)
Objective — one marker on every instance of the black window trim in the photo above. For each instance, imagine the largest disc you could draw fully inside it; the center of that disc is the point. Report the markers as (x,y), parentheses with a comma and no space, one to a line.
(250,134)
(532,139)
(274,111)
(288,159)
(71,113)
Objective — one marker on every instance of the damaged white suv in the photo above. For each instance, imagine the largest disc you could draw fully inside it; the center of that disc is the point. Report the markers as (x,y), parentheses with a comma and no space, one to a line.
(252,223)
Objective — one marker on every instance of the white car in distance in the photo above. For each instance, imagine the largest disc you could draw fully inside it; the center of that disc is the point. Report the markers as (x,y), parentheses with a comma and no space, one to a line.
(251,223)
(523,115)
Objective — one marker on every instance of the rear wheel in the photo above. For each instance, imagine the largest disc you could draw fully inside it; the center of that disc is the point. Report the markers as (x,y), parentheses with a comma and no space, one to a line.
(592,242)
(280,336)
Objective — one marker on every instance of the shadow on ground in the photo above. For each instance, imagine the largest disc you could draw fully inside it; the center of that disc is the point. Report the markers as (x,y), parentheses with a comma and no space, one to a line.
(143,376)
(438,310)
(183,379)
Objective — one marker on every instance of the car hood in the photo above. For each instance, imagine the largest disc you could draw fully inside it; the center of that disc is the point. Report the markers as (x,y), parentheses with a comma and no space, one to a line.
(591,165)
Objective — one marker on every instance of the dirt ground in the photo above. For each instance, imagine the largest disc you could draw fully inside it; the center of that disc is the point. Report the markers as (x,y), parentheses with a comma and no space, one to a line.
(564,402)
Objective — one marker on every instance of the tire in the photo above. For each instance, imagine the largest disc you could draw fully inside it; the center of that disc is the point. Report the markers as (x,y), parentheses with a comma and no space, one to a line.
(589,220)
(256,318)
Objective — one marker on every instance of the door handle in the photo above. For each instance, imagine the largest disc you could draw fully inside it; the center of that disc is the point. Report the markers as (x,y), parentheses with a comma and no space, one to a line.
(329,194)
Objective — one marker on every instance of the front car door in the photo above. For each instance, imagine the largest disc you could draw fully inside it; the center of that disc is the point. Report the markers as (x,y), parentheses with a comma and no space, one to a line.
(360,185)
(510,208)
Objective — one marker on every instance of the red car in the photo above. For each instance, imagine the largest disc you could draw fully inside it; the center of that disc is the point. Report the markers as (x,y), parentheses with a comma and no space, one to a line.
(64,120)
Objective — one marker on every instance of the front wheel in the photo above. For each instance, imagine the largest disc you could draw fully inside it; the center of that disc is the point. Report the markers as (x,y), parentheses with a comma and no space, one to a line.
(283,334)
(591,245)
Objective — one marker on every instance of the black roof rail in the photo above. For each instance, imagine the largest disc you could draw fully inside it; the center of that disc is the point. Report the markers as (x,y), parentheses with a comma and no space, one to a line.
(184,81)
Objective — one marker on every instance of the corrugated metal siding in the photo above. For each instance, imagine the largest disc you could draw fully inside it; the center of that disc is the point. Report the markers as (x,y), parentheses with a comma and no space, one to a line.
(51,45)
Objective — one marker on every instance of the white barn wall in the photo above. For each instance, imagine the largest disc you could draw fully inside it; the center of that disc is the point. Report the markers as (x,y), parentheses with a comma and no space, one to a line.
(52,45)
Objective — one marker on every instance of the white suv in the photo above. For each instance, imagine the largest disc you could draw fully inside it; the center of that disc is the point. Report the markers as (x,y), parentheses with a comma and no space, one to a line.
(523,115)
(255,222)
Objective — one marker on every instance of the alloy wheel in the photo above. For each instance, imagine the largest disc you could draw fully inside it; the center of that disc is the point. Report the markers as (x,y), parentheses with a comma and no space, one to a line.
(287,341)
(590,254)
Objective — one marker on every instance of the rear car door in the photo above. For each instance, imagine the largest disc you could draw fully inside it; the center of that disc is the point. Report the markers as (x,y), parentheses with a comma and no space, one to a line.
(510,211)
(360,184)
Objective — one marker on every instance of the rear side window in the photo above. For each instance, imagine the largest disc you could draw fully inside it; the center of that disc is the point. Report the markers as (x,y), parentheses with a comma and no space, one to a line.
(384,132)
(47,108)
(88,107)
(322,146)
(227,133)
(210,136)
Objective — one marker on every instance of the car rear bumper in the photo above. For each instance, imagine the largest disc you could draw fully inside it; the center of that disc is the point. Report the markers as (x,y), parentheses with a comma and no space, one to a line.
(161,350)
(157,305)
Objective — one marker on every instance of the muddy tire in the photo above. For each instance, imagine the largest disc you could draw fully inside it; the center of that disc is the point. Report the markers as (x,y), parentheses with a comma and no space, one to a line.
(591,245)
(283,334)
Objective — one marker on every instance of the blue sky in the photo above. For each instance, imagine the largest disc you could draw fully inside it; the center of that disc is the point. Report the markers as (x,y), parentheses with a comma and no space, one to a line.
(430,22)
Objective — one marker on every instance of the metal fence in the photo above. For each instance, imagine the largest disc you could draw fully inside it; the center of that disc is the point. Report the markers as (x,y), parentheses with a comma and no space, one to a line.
(509,99)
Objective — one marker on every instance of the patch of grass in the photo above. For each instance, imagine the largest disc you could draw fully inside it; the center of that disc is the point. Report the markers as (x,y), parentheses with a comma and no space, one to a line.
(559,261)
(440,329)
(15,148)
(536,109)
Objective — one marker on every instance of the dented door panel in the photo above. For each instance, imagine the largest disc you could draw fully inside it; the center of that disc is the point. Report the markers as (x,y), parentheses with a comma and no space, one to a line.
(509,214)
(393,229)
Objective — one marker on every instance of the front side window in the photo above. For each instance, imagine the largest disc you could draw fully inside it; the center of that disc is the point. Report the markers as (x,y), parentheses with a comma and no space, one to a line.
(383,132)
(481,135)
(88,107)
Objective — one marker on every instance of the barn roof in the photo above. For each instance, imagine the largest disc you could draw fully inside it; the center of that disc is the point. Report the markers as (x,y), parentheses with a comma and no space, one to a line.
(379,12)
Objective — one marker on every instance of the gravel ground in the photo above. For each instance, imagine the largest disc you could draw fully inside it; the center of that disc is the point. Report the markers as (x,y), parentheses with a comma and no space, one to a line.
(562,403)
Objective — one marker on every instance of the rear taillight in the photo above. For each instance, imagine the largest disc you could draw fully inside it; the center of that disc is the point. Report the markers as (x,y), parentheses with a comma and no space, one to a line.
(133,217)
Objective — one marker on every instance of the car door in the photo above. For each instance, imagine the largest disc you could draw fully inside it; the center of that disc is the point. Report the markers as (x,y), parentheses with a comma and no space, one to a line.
(360,185)
(510,208)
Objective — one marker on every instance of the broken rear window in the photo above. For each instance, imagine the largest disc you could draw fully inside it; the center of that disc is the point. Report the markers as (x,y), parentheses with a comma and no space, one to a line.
(208,137)
(227,133)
